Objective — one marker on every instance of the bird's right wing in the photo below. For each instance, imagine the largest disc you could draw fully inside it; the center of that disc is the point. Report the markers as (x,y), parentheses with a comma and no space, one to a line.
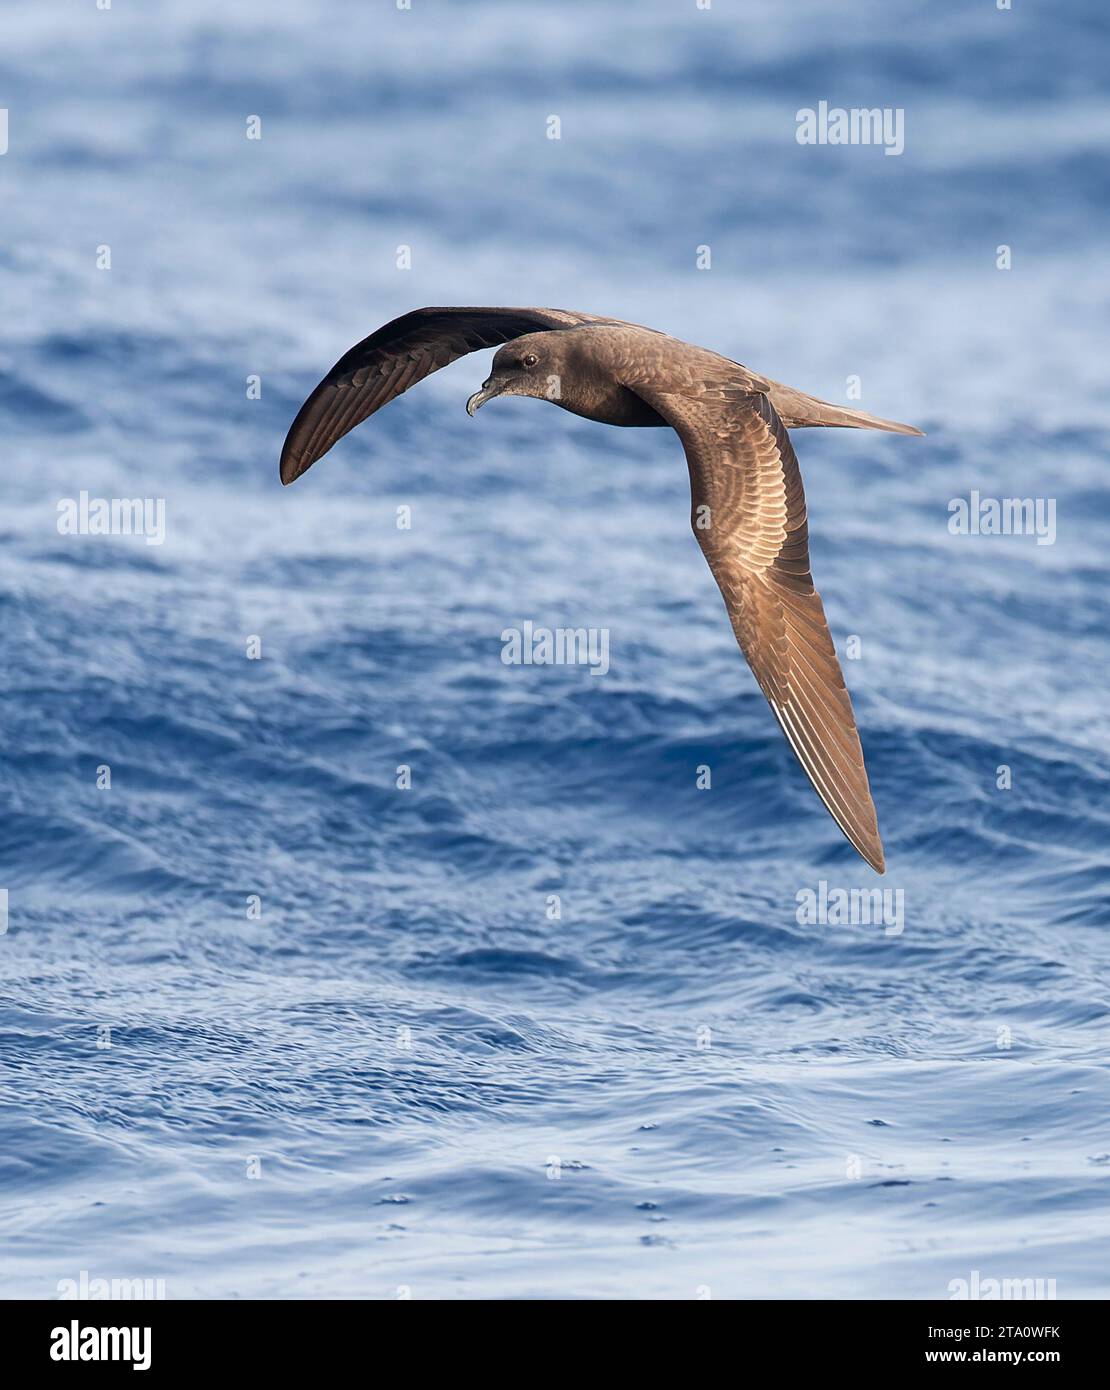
(394,358)
(749,517)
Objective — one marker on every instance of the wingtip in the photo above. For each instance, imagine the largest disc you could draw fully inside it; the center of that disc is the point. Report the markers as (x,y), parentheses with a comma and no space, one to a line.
(870,852)
(290,468)
(867,843)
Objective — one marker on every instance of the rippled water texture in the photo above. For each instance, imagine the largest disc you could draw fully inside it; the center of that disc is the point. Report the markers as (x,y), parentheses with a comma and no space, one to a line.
(353,1049)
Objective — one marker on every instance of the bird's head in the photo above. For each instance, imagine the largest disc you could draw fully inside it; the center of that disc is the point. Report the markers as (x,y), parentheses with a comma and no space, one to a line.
(532,365)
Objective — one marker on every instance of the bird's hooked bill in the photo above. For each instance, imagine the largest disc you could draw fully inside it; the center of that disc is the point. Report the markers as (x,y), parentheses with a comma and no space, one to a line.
(489,389)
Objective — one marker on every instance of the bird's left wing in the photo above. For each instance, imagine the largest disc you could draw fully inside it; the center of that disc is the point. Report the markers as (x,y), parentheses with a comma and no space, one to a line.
(397,356)
(749,517)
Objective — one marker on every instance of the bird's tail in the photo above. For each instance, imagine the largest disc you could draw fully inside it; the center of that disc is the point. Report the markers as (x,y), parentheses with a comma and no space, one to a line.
(839,417)
(799,411)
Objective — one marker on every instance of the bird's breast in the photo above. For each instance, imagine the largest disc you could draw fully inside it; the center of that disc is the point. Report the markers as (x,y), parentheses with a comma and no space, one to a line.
(611,404)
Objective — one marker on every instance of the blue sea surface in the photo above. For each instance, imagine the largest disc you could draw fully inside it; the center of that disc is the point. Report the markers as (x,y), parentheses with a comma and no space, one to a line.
(552,1021)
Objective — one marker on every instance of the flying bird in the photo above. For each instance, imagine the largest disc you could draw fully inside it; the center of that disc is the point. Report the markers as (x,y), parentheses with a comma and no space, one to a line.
(748,509)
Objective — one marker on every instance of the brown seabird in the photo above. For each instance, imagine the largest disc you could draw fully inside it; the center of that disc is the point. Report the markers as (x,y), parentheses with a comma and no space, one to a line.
(748,508)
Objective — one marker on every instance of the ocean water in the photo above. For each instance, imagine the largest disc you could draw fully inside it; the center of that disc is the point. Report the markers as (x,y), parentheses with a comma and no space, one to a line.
(550,1021)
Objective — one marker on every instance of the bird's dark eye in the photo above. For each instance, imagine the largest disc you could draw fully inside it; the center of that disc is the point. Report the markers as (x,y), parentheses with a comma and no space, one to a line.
(530,359)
